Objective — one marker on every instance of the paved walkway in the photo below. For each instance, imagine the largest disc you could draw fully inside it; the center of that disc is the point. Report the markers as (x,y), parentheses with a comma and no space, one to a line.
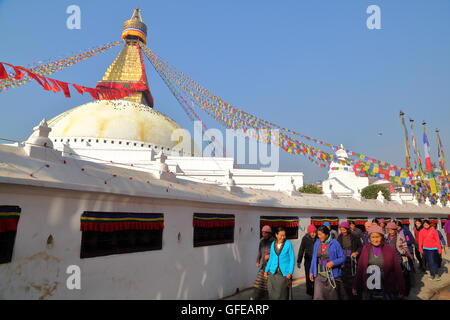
(423,288)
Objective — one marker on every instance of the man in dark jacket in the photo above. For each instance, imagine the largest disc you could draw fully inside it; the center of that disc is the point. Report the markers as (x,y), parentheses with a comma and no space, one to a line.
(352,246)
(355,230)
(306,250)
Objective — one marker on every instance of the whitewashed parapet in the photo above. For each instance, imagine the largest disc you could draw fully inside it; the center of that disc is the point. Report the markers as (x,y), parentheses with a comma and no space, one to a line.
(397,197)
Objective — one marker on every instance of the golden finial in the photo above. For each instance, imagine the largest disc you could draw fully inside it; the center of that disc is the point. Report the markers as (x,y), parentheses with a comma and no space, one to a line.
(135,28)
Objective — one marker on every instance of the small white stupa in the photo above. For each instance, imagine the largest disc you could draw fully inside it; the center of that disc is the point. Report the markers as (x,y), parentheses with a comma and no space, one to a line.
(342,177)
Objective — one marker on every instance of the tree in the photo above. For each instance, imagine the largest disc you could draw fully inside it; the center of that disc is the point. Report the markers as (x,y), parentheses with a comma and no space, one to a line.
(371,192)
(310,188)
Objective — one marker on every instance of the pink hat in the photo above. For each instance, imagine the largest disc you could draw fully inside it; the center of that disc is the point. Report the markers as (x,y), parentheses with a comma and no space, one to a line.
(311,228)
(375,229)
(391,225)
(344,225)
(267,228)
(368,224)
(380,220)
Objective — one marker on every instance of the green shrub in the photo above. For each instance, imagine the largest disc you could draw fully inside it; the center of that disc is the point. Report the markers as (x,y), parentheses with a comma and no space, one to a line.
(371,192)
(310,188)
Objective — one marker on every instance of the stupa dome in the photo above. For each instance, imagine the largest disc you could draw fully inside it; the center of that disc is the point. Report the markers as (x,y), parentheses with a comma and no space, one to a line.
(115,120)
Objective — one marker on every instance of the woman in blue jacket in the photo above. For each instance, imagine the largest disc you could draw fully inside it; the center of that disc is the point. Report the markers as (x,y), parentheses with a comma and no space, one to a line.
(326,264)
(280,266)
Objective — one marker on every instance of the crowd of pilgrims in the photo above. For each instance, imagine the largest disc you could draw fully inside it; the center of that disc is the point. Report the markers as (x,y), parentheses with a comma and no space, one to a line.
(376,264)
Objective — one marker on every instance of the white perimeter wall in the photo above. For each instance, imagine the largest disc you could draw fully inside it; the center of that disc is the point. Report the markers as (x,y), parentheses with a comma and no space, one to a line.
(178,271)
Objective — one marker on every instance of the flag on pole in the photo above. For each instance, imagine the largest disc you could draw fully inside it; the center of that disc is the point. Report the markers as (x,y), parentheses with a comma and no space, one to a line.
(428,164)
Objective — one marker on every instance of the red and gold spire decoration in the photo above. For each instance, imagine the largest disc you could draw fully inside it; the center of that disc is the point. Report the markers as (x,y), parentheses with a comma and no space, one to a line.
(128,70)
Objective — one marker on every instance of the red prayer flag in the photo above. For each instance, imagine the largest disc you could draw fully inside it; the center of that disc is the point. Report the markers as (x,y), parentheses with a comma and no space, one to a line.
(64,86)
(34,76)
(93,92)
(55,87)
(78,88)
(3,73)
(19,74)
(46,85)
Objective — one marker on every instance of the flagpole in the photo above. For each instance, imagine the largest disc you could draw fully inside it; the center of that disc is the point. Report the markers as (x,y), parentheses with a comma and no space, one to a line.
(428,164)
(407,146)
(443,164)
(417,162)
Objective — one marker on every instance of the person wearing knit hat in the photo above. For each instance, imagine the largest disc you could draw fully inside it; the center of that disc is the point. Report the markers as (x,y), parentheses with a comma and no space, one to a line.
(326,267)
(430,246)
(260,284)
(344,224)
(334,233)
(375,229)
(306,251)
(280,267)
(398,241)
(352,246)
(380,261)
(311,228)
(382,223)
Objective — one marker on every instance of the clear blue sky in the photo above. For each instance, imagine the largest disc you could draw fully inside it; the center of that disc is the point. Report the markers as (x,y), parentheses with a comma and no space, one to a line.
(309,65)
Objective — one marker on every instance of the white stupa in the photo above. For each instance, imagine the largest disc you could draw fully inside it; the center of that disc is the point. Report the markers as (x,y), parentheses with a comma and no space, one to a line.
(342,180)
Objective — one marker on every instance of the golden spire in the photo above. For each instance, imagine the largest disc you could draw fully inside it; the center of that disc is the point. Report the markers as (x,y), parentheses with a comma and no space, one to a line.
(128,69)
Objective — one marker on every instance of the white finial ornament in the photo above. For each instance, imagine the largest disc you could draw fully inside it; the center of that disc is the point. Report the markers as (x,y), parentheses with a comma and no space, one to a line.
(293,185)
(331,194)
(357,195)
(292,191)
(162,169)
(380,197)
(40,138)
(161,158)
(229,177)
(439,203)
(39,145)
(230,184)
(427,202)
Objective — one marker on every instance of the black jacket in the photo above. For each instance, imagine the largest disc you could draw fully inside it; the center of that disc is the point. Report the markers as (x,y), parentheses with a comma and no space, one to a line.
(356,242)
(306,248)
